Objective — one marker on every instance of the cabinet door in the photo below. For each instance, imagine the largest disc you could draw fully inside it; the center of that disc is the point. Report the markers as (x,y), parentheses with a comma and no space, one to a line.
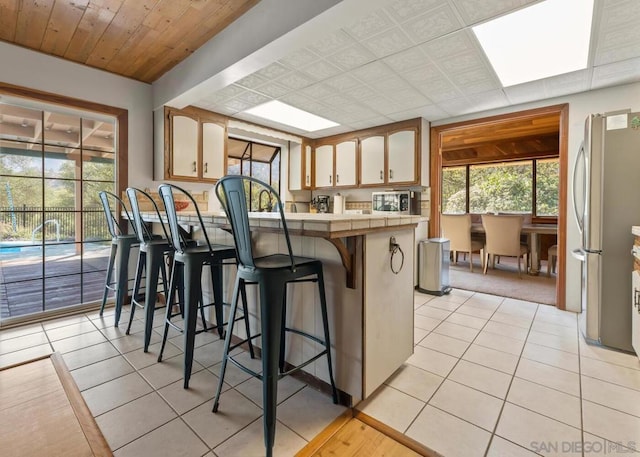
(402,156)
(213,151)
(346,164)
(372,160)
(307,167)
(184,160)
(295,166)
(324,166)
(635,311)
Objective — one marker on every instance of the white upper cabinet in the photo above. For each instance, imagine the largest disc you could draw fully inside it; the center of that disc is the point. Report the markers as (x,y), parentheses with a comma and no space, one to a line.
(345,164)
(307,167)
(402,157)
(213,150)
(324,165)
(295,166)
(372,170)
(184,146)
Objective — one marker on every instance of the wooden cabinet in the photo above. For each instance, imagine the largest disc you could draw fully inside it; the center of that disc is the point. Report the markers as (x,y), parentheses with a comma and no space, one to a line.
(195,146)
(372,153)
(402,155)
(336,165)
(391,158)
(299,166)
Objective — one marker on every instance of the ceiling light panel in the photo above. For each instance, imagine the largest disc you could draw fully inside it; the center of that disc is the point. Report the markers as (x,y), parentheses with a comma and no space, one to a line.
(282,113)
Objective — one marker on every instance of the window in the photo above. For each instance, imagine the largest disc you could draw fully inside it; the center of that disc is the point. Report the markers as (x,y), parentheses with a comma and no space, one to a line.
(529,187)
(261,161)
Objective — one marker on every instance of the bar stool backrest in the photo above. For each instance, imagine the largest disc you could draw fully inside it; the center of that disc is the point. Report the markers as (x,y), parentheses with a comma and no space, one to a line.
(177,239)
(142,230)
(233,193)
(115,229)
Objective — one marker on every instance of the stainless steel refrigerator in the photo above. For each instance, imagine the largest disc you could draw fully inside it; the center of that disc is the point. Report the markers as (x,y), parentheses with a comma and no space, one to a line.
(606,201)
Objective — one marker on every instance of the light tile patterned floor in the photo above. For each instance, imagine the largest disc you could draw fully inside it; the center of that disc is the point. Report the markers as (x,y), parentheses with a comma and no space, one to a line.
(489,377)
(493,376)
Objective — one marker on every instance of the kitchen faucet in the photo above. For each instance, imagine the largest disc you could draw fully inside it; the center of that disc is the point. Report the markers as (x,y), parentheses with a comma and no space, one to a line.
(269,205)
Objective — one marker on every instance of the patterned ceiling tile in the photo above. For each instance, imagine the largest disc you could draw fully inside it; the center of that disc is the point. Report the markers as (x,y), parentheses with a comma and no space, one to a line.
(526,92)
(236,105)
(488,100)
(456,106)
(299,101)
(369,25)
(273,89)
(461,63)
(618,32)
(423,74)
(295,80)
(317,91)
(474,11)
(372,72)
(389,42)
(406,60)
(475,76)
(383,105)
(252,98)
(352,57)
(225,94)
(380,120)
(342,82)
(321,70)
(438,90)
(462,41)
(389,85)
(329,44)
(361,92)
(300,58)
(569,83)
(338,100)
(612,74)
(410,98)
(432,25)
(252,81)
(275,70)
(403,10)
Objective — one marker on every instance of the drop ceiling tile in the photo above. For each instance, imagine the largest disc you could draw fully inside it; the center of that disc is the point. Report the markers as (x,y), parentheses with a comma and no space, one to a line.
(369,25)
(432,25)
(388,86)
(478,86)
(460,42)
(618,32)
(236,105)
(361,92)
(329,44)
(616,73)
(423,74)
(569,83)
(225,94)
(342,82)
(403,10)
(438,90)
(456,107)
(252,98)
(317,91)
(410,98)
(406,60)
(338,101)
(321,70)
(273,89)
(432,112)
(474,76)
(273,71)
(295,80)
(383,105)
(371,123)
(252,81)
(461,63)
(296,99)
(474,11)
(300,58)
(352,57)
(526,92)
(388,42)
(372,72)
(488,100)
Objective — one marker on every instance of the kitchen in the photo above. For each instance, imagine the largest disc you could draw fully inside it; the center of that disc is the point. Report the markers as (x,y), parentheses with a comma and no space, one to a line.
(137,97)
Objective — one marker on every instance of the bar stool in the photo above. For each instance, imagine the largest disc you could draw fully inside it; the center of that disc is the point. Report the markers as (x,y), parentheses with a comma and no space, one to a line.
(151,259)
(552,255)
(121,244)
(186,277)
(272,273)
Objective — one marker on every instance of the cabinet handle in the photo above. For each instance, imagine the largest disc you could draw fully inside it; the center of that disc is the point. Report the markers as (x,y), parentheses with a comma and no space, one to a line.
(307,179)
(636,299)
(337,179)
(194,166)
(206,167)
(390,174)
(330,178)
(381,175)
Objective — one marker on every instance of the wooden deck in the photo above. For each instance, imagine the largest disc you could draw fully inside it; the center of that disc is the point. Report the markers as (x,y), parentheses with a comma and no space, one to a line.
(68,281)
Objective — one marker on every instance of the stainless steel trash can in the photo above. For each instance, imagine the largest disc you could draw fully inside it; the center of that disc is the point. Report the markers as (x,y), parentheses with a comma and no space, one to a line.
(433,266)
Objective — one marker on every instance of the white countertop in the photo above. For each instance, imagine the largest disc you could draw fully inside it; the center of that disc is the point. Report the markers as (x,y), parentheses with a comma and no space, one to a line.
(635,229)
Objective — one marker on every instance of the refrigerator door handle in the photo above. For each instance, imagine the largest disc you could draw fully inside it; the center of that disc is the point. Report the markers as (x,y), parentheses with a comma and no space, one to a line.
(579,213)
(579,254)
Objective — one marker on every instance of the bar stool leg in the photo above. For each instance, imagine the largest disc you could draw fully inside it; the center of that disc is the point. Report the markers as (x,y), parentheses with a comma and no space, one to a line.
(141,266)
(325,325)
(217,282)
(193,293)
(122,264)
(245,310)
(155,267)
(175,282)
(107,283)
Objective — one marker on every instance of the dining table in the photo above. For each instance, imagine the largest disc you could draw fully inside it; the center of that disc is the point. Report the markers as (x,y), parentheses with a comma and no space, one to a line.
(533,231)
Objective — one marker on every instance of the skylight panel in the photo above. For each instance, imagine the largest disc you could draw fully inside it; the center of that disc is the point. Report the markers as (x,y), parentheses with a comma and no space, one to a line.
(288,115)
(547,39)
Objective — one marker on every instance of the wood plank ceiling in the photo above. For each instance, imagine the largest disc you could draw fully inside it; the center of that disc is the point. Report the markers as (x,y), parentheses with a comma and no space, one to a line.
(139,39)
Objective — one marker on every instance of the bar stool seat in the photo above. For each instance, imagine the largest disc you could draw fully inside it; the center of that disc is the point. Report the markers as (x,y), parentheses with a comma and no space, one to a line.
(121,245)
(186,275)
(272,273)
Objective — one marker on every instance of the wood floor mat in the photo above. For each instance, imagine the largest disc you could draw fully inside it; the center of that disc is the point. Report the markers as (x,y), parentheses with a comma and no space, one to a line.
(42,413)
(350,436)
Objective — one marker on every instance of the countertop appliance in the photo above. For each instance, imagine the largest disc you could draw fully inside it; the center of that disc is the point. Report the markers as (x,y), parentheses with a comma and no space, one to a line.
(606,205)
(321,202)
(395,202)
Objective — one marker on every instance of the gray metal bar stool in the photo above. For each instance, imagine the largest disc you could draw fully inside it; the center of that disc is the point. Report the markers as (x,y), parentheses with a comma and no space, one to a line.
(121,244)
(154,249)
(186,275)
(272,273)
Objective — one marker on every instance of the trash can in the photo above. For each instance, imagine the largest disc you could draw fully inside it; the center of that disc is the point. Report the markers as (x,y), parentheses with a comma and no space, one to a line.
(433,266)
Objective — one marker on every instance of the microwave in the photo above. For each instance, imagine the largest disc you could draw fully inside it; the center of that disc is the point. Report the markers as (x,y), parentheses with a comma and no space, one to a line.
(395,202)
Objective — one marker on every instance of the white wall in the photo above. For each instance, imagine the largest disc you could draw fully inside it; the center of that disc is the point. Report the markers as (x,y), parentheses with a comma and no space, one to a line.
(580,106)
(30,69)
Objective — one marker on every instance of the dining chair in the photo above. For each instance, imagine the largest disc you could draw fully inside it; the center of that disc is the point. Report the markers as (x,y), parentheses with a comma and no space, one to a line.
(153,252)
(121,245)
(189,260)
(503,239)
(272,273)
(552,256)
(457,229)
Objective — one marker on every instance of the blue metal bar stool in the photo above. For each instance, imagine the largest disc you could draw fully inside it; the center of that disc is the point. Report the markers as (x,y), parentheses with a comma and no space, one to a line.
(186,276)
(151,258)
(272,273)
(121,244)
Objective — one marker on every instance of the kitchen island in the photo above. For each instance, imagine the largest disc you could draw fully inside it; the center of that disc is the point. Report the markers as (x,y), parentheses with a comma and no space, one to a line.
(369,289)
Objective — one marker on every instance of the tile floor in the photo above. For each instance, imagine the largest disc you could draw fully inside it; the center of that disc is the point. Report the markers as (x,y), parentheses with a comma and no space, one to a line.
(490,376)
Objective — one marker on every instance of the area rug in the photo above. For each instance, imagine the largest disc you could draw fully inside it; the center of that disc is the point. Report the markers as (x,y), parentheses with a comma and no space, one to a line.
(504,281)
